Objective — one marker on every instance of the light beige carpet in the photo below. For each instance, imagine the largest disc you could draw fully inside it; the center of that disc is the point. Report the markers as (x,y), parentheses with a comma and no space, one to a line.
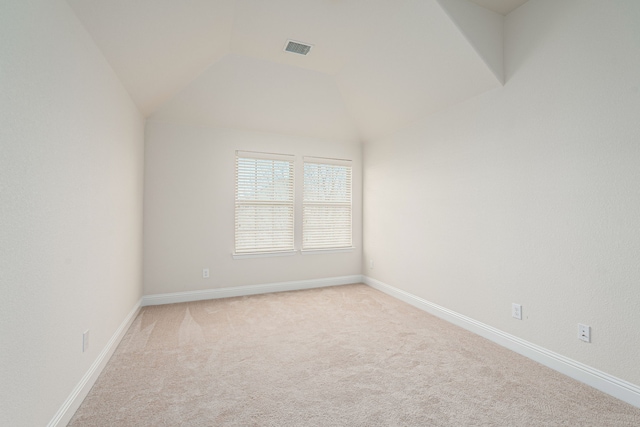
(341,356)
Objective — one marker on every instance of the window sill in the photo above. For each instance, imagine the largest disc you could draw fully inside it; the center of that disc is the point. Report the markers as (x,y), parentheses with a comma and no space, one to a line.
(263,254)
(326,251)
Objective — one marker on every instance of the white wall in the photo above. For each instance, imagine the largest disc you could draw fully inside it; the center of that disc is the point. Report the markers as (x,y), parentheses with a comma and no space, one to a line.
(71,160)
(254,94)
(189,209)
(529,193)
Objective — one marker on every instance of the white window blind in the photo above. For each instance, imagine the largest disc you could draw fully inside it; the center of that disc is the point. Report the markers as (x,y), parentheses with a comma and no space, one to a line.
(264,202)
(326,207)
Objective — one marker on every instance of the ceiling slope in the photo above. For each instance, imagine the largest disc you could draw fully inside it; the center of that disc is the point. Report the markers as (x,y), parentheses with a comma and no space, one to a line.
(157,46)
(483,29)
(250,93)
(375,64)
(420,64)
(336,28)
(503,7)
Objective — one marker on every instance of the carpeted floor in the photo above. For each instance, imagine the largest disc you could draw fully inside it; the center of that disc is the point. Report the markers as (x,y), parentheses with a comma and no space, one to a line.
(341,356)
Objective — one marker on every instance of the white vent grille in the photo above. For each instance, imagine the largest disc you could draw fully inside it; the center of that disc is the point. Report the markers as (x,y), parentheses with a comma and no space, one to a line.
(297,47)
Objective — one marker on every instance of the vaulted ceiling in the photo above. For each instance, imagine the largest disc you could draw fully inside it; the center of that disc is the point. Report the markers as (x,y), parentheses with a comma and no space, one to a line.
(375,65)
(502,7)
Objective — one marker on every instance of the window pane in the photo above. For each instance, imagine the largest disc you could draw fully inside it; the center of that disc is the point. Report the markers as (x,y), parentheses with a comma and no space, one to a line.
(326,206)
(264,204)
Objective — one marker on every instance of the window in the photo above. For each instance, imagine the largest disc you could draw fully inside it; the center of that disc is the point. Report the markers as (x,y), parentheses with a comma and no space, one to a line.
(264,203)
(326,207)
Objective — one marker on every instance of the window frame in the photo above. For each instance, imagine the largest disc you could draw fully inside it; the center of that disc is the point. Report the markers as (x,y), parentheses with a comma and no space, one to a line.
(267,251)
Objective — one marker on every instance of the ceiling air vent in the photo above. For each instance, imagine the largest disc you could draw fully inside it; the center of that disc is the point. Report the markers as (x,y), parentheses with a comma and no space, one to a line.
(297,47)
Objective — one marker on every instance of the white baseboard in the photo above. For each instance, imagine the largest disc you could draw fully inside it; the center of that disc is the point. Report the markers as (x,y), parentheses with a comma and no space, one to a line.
(71,405)
(602,381)
(239,291)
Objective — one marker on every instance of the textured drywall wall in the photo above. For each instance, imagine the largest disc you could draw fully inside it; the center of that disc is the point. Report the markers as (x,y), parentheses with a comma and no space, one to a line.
(71,160)
(255,94)
(529,193)
(189,209)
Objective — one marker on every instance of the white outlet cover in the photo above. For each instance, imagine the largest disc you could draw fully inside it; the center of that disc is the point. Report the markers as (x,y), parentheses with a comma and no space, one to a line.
(516,311)
(584,332)
(205,273)
(85,341)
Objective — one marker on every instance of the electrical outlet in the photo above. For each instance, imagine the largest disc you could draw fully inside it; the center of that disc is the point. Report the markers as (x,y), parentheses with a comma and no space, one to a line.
(584,332)
(205,273)
(370,264)
(85,341)
(516,311)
